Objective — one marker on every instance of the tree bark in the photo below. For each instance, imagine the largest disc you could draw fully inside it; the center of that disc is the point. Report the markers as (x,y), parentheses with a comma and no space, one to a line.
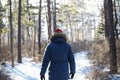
(111,36)
(106,19)
(54,17)
(39,29)
(49,19)
(19,33)
(11,35)
(34,40)
(115,20)
(28,31)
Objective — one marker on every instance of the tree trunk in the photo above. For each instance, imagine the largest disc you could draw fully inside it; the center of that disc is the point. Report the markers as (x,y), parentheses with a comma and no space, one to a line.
(39,29)
(11,35)
(49,19)
(19,33)
(28,31)
(34,40)
(111,36)
(0,48)
(116,20)
(54,16)
(106,19)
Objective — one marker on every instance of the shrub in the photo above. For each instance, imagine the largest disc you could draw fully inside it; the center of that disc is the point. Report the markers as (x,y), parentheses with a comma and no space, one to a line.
(100,58)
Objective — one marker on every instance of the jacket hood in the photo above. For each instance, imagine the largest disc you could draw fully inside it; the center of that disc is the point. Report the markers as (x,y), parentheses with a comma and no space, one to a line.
(59,38)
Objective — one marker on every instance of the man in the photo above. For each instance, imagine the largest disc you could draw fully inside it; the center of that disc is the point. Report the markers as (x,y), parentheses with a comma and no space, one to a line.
(59,54)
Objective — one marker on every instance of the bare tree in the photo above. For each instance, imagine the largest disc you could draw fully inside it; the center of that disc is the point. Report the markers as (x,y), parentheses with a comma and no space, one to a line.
(27,28)
(106,18)
(49,19)
(19,33)
(110,34)
(54,16)
(1,27)
(39,29)
(34,39)
(11,35)
(115,20)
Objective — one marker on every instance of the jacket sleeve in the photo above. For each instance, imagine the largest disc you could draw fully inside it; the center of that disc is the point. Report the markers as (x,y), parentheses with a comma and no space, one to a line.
(71,61)
(45,62)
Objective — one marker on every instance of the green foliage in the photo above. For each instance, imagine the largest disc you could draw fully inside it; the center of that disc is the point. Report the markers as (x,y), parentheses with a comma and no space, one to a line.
(69,9)
(27,13)
(100,29)
(4,30)
(33,7)
(65,12)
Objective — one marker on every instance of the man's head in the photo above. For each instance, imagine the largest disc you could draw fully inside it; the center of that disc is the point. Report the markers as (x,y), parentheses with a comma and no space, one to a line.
(58,33)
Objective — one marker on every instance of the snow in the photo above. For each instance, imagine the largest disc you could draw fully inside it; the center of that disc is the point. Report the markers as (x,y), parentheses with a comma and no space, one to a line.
(115,76)
(30,70)
(83,66)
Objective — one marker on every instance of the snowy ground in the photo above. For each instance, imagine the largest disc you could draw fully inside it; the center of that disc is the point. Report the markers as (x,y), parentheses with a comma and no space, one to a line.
(29,70)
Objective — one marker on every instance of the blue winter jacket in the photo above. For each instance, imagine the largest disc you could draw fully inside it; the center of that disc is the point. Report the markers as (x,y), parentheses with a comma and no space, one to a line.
(59,54)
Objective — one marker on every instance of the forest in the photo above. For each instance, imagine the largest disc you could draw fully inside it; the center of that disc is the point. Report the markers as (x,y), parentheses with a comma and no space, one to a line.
(26,27)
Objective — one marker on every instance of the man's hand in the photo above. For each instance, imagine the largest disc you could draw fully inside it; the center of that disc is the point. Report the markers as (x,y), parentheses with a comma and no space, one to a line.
(71,75)
(42,77)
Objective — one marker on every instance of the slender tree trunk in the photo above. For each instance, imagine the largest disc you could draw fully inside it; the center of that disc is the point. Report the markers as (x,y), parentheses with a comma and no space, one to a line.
(11,35)
(106,19)
(83,38)
(1,32)
(28,39)
(71,29)
(8,36)
(28,33)
(39,29)
(34,40)
(54,17)
(49,19)
(19,33)
(116,20)
(0,48)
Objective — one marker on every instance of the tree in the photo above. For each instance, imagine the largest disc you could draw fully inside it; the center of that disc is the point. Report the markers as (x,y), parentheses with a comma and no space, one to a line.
(106,19)
(109,23)
(49,19)
(39,29)
(115,20)
(11,35)
(101,26)
(19,33)
(1,25)
(54,16)
(112,45)
(67,16)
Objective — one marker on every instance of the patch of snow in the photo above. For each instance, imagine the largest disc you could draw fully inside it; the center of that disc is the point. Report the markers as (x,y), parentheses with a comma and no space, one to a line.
(114,77)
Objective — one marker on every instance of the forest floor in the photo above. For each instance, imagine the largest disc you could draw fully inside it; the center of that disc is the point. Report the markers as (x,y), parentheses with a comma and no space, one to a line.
(30,70)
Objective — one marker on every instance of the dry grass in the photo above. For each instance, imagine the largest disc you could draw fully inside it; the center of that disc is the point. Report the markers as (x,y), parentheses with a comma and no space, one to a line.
(79,46)
(118,54)
(99,51)
(26,50)
(99,54)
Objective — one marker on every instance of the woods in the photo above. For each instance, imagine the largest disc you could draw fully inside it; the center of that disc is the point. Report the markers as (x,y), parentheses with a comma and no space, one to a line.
(26,27)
